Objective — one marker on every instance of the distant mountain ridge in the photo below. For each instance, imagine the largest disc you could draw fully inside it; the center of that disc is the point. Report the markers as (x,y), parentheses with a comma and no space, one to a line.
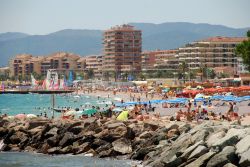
(84,42)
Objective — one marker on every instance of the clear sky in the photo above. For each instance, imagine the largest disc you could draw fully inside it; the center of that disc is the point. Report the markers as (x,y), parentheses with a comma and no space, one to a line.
(46,16)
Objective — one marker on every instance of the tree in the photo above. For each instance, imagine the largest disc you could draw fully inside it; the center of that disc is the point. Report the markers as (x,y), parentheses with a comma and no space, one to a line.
(90,73)
(243,50)
(183,67)
(211,73)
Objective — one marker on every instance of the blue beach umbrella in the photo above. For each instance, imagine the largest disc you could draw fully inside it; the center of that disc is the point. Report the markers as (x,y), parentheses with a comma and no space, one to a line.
(217,97)
(228,98)
(131,103)
(156,101)
(246,97)
(199,99)
(239,99)
(117,109)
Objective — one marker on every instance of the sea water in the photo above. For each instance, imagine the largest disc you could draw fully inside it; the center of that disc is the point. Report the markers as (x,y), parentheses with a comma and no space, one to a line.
(24,159)
(13,104)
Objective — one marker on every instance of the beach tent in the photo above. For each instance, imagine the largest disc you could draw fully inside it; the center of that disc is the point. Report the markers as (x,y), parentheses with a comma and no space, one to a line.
(123,116)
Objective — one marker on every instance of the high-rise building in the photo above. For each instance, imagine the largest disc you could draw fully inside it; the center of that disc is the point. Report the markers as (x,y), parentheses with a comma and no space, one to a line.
(122,49)
(211,53)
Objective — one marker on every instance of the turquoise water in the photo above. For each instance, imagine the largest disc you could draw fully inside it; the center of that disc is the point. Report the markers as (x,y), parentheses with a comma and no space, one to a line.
(13,104)
(13,159)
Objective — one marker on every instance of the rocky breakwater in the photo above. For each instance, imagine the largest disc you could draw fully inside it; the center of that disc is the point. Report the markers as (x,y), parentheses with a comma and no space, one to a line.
(155,143)
(102,138)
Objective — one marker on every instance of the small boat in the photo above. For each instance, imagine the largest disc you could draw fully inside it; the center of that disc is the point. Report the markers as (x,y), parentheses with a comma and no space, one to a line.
(59,110)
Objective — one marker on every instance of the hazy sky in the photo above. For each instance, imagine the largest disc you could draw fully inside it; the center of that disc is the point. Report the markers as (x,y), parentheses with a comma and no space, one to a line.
(46,16)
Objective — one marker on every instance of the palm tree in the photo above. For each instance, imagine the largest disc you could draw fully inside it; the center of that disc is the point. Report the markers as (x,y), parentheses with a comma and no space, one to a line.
(183,67)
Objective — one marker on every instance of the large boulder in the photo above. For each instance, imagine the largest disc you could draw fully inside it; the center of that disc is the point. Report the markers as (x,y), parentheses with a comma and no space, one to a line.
(114,125)
(199,151)
(98,142)
(76,129)
(202,160)
(52,141)
(200,135)
(245,159)
(243,145)
(36,123)
(18,137)
(52,132)
(3,132)
(82,148)
(177,148)
(173,132)
(190,149)
(35,130)
(146,135)
(227,155)
(137,128)
(118,132)
(54,150)
(140,153)
(151,125)
(229,165)
(104,150)
(122,146)
(215,137)
(231,138)
(67,139)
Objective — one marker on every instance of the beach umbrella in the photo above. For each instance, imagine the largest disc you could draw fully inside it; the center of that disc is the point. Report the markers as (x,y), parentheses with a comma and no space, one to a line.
(30,116)
(130,107)
(199,95)
(239,99)
(120,105)
(199,99)
(20,116)
(174,101)
(166,90)
(70,112)
(123,116)
(79,112)
(117,109)
(131,103)
(90,111)
(118,99)
(246,97)
(228,98)
(155,101)
(217,97)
